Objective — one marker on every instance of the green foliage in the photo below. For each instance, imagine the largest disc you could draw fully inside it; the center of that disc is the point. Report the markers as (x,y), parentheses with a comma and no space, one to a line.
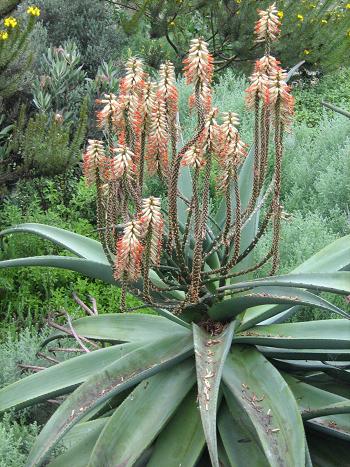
(49,147)
(316,167)
(16,440)
(45,146)
(61,86)
(7,6)
(15,55)
(333,88)
(303,234)
(27,295)
(317,30)
(18,348)
(91,25)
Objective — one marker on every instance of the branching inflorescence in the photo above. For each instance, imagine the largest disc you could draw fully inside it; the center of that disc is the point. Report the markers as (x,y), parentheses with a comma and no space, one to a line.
(149,239)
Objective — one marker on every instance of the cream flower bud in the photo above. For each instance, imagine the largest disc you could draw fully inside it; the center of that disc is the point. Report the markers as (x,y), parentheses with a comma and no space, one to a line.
(267,28)
(94,160)
(152,221)
(167,85)
(110,109)
(122,163)
(199,63)
(129,252)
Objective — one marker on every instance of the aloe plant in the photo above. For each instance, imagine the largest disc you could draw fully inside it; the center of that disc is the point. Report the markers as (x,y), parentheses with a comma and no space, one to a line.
(219,378)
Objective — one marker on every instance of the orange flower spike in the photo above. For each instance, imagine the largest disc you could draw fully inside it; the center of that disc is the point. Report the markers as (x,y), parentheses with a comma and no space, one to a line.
(228,132)
(157,150)
(152,221)
(122,163)
(94,161)
(149,96)
(267,28)
(279,91)
(107,114)
(259,83)
(193,157)
(233,150)
(268,64)
(167,86)
(199,63)
(135,76)
(129,252)
(212,132)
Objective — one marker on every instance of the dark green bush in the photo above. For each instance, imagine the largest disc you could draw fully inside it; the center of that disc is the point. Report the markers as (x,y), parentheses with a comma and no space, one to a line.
(309,94)
(92,24)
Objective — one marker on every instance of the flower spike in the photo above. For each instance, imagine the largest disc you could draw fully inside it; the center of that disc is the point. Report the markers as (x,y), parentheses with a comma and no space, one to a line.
(129,252)
(94,161)
(267,28)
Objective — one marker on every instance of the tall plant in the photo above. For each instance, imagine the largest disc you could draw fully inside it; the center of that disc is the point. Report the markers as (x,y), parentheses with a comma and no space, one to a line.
(142,139)
(13,44)
(274,391)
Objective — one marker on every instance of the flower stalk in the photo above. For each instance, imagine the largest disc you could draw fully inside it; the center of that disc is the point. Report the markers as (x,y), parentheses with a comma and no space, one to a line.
(177,239)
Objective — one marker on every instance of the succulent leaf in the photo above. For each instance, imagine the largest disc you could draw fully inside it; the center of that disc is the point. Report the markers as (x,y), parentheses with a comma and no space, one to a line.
(210,354)
(143,362)
(265,398)
(142,415)
(182,440)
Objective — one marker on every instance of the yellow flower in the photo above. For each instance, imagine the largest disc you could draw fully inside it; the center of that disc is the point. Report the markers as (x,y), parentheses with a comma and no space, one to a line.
(347,6)
(33,11)
(280,14)
(306,52)
(10,22)
(238,1)
(348,33)
(300,17)
(172,23)
(324,21)
(4,35)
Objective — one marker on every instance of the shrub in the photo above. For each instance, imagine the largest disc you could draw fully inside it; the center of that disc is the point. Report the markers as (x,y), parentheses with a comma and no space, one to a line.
(15,55)
(317,30)
(16,440)
(92,25)
(333,87)
(61,84)
(316,167)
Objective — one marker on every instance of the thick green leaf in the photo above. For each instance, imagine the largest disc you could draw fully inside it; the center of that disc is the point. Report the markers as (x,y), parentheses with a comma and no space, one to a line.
(124,327)
(80,442)
(211,353)
(139,419)
(230,308)
(327,451)
(330,333)
(82,246)
(325,355)
(334,257)
(86,267)
(308,461)
(182,440)
(238,436)
(259,390)
(184,186)
(336,282)
(326,383)
(331,409)
(310,398)
(61,378)
(142,363)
